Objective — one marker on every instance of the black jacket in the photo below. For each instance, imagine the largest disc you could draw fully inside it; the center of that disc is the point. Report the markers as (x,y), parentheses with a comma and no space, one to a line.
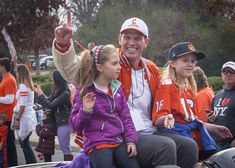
(223,104)
(60,106)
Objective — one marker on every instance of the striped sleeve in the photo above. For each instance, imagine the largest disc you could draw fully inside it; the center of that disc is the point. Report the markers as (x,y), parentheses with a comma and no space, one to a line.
(23,92)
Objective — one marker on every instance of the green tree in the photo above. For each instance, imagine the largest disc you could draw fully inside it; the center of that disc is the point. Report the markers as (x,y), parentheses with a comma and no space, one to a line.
(169,22)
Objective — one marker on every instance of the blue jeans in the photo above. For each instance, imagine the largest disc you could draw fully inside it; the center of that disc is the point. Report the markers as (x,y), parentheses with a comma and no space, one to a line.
(223,146)
(11,147)
(221,143)
(27,150)
(1,158)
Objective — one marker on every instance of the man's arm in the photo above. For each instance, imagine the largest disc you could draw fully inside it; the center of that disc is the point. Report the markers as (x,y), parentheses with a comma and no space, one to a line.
(65,58)
(8,99)
(67,63)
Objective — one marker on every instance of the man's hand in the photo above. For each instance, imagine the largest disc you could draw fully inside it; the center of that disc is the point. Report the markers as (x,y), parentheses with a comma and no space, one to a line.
(131,149)
(64,33)
(222,131)
(211,116)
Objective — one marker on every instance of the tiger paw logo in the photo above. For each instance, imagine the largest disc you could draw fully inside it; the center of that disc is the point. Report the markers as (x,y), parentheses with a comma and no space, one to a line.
(225,101)
(191,47)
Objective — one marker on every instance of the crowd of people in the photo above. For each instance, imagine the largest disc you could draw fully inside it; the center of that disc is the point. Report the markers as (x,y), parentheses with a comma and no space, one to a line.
(125,111)
(18,115)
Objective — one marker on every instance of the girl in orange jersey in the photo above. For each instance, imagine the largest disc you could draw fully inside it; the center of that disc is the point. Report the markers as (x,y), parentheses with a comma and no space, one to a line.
(175,111)
(204,95)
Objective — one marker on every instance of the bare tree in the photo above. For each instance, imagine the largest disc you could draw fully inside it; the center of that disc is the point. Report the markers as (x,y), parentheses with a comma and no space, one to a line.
(83,10)
(30,23)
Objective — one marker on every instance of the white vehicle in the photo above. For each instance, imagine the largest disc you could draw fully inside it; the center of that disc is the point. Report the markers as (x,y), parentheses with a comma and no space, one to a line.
(45,63)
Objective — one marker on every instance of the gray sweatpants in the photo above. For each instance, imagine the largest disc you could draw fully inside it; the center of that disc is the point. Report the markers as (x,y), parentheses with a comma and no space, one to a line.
(166,149)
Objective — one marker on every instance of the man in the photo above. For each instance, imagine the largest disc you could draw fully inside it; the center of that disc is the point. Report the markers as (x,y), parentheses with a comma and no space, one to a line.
(7,104)
(223,105)
(140,80)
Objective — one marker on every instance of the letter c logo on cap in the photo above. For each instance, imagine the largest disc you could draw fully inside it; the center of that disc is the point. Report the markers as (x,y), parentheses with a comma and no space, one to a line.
(134,21)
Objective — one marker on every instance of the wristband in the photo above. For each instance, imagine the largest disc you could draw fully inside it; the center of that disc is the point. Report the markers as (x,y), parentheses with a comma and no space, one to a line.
(62,47)
(17,119)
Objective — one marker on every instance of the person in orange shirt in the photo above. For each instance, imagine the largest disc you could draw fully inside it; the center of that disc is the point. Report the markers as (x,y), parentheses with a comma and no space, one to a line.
(174,112)
(204,95)
(7,104)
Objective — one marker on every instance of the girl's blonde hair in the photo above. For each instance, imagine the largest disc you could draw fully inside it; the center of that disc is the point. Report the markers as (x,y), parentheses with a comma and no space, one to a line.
(170,73)
(24,75)
(87,73)
(200,78)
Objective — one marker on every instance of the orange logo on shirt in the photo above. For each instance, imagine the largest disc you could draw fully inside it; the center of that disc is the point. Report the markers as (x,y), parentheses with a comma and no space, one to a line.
(191,47)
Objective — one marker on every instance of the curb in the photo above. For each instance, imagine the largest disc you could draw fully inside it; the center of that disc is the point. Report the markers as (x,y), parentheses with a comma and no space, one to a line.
(57,146)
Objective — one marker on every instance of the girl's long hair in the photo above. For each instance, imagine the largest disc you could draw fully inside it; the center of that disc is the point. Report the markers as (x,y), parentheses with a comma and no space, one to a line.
(24,75)
(59,84)
(170,73)
(87,73)
(200,78)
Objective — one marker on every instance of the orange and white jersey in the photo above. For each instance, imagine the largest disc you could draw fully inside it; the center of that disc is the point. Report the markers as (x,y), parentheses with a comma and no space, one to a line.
(24,96)
(169,100)
(28,120)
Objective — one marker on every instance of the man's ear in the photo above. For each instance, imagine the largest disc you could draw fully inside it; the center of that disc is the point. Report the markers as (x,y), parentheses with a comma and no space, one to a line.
(146,42)
(99,67)
(119,39)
